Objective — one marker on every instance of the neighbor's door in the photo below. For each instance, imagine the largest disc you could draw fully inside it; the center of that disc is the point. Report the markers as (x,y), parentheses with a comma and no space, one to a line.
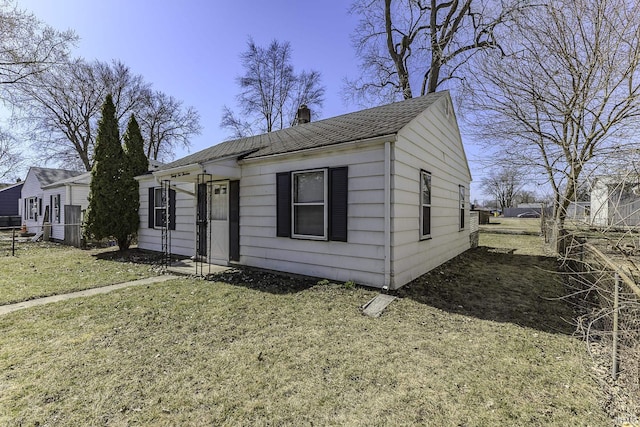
(219,223)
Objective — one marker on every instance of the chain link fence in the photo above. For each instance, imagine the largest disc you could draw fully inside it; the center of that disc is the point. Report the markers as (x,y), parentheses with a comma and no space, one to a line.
(602,277)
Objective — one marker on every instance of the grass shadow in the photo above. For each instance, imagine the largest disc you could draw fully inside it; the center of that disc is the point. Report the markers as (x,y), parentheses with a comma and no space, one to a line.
(134,255)
(495,284)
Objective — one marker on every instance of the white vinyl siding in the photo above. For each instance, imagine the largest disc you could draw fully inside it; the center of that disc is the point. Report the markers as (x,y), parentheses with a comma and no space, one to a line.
(431,142)
(361,259)
(183,237)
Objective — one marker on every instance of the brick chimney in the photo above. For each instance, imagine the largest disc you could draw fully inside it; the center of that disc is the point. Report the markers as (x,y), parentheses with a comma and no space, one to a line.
(304,115)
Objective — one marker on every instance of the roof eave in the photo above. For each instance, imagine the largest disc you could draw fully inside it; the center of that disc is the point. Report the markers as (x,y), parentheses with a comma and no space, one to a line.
(355,143)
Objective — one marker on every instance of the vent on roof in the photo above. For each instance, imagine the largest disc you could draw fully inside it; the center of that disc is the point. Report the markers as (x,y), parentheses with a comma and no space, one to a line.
(304,115)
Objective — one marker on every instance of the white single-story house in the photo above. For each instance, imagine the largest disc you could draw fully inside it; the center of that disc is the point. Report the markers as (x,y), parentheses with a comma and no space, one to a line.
(615,201)
(43,200)
(378,197)
(69,199)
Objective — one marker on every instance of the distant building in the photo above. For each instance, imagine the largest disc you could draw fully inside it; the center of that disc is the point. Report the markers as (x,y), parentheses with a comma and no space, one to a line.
(615,201)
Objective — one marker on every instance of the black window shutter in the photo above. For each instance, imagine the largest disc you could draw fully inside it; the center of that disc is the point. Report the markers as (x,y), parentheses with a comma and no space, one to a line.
(338,196)
(40,207)
(172,209)
(283,204)
(234,220)
(151,207)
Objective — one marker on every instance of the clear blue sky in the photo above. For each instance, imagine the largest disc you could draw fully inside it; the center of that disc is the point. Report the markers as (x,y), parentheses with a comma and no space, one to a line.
(190,49)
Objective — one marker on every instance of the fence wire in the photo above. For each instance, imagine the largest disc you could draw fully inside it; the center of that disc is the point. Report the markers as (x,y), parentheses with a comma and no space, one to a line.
(602,280)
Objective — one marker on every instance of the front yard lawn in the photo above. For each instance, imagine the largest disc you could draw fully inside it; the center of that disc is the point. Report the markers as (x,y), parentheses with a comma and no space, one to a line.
(191,352)
(44,269)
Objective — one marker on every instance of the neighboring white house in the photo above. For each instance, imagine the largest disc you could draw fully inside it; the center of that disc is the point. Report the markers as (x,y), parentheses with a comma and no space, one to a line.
(41,202)
(60,198)
(615,201)
(68,200)
(379,197)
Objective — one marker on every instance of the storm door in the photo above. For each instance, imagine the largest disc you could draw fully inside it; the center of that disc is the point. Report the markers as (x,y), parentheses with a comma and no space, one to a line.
(219,223)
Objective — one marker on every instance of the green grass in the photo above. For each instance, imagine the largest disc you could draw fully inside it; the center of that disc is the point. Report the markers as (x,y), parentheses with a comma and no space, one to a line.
(191,352)
(526,225)
(44,269)
(515,243)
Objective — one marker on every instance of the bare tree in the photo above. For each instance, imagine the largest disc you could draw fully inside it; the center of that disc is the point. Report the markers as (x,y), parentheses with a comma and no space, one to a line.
(405,44)
(566,92)
(505,184)
(270,90)
(166,125)
(28,46)
(62,106)
(10,157)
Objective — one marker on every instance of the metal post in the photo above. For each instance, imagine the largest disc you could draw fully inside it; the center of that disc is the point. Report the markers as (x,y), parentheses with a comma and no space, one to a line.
(13,242)
(616,291)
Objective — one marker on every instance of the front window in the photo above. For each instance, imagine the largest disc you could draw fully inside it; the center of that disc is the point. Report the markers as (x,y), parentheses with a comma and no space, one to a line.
(309,208)
(425,204)
(160,208)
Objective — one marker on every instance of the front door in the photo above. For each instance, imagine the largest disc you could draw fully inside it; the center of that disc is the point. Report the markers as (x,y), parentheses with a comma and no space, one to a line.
(219,223)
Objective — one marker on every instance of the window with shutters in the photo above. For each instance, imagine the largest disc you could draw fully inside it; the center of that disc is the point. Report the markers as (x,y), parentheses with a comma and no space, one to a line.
(425,205)
(312,204)
(309,207)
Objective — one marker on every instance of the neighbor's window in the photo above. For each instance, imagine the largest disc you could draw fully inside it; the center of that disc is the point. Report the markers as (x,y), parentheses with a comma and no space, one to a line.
(32,208)
(160,208)
(461,197)
(425,204)
(56,208)
(309,207)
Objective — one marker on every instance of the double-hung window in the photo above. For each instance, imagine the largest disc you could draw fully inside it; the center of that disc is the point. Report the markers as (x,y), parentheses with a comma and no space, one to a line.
(55,202)
(309,205)
(425,204)
(313,204)
(162,208)
(32,208)
(461,200)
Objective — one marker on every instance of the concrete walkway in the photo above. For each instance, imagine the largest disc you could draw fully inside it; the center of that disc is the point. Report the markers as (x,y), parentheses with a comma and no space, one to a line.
(4,309)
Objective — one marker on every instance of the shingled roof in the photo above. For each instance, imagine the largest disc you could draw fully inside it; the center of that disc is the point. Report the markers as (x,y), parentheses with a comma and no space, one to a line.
(357,126)
(49,176)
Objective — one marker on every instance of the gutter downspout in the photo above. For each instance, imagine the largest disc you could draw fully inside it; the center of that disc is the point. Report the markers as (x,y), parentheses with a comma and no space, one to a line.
(387,215)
